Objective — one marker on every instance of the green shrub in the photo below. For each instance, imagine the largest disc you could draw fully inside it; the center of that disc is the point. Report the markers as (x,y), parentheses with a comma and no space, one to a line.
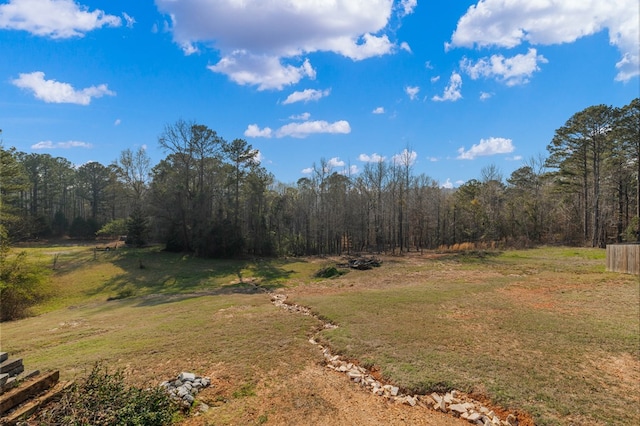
(329,272)
(22,284)
(104,400)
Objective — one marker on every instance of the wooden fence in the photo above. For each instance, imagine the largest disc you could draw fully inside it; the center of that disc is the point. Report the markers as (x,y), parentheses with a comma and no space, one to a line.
(624,258)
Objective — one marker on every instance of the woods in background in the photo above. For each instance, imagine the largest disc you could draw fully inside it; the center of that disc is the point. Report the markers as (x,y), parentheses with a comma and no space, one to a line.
(212,197)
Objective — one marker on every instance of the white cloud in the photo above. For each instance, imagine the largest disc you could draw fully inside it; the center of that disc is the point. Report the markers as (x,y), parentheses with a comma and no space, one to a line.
(511,23)
(266,72)
(304,116)
(412,91)
(512,71)
(61,145)
(515,158)
(280,31)
(428,65)
(52,91)
(408,6)
(447,184)
(405,46)
(452,91)
(435,79)
(486,147)
(373,158)
(254,131)
(307,171)
(306,96)
(367,46)
(117,122)
(299,129)
(433,159)
(306,128)
(130,20)
(378,110)
(405,158)
(485,95)
(335,162)
(53,18)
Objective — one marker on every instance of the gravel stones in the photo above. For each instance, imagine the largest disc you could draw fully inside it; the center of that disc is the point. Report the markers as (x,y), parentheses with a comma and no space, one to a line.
(185,387)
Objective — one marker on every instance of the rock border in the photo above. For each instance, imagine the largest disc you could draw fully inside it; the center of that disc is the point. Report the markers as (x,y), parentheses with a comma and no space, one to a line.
(455,403)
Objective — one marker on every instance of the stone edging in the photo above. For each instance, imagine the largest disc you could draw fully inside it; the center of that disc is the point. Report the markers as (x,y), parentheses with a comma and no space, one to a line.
(455,402)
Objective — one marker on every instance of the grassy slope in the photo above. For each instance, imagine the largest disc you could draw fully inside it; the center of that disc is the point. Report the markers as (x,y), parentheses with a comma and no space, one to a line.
(181,314)
(545,330)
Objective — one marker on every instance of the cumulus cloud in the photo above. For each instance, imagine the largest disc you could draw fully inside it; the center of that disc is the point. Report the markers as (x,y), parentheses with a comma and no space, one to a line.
(52,91)
(448,184)
(412,91)
(512,71)
(306,128)
(54,18)
(281,31)
(487,147)
(299,129)
(452,91)
(266,72)
(511,23)
(378,110)
(373,158)
(60,145)
(405,158)
(254,131)
(306,96)
(335,162)
(435,79)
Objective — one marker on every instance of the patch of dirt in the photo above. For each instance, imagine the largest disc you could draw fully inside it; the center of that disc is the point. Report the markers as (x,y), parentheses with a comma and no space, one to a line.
(621,371)
(315,396)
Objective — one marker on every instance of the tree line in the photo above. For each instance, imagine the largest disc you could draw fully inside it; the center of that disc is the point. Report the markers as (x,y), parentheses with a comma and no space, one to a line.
(211,197)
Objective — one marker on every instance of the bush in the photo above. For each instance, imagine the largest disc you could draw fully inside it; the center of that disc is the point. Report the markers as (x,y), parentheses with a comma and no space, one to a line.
(329,272)
(104,399)
(114,228)
(22,284)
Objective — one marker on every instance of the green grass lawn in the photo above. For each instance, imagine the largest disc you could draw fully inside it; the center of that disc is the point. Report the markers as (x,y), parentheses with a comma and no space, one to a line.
(546,330)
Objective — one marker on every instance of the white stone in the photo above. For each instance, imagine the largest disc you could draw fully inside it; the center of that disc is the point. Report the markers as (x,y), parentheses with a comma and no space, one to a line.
(394,390)
(353,375)
(187,377)
(474,417)
(458,408)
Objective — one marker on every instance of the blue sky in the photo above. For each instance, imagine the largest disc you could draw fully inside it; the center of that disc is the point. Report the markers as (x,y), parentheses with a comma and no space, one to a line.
(460,85)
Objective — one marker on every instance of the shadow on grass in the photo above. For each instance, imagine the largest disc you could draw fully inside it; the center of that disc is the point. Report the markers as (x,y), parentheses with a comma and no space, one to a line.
(173,276)
(161,299)
(473,256)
